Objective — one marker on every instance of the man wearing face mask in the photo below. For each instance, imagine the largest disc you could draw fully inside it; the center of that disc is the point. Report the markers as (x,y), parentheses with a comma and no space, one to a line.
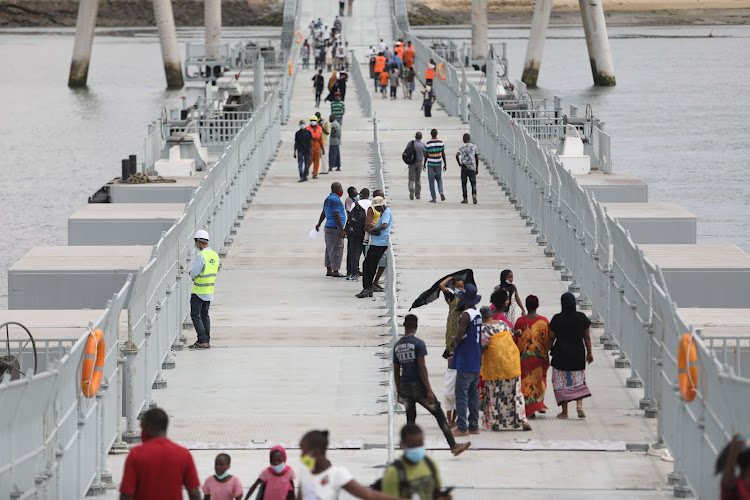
(415,473)
(335,216)
(203,273)
(318,148)
(302,147)
(158,468)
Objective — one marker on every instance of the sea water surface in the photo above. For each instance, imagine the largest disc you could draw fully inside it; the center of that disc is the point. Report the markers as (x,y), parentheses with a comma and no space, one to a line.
(678,117)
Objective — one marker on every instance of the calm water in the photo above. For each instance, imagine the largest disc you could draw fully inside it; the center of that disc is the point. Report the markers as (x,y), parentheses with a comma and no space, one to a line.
(678,118)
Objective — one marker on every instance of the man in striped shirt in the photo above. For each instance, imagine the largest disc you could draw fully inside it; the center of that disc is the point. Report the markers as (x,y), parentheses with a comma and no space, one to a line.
(434,159)
(338,108)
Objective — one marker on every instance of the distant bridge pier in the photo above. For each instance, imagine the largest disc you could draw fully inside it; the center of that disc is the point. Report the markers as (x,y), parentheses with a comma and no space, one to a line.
(212,17)
(170,51)
(479,30)
(597,41)
(535,49)
(85,25)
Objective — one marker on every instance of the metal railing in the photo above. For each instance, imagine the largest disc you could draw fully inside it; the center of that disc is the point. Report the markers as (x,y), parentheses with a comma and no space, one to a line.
(55,441)
(363,91)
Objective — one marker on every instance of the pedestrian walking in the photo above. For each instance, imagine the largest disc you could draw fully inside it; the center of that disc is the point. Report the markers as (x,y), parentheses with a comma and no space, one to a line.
(158,468)
(373,215)
(450,287)
(335,216)
(342,3)
(409,55)
(504,406)
(222,485)
(334,153)
(355,231)
(467,158)
(506,283)
(413,383)
(276,482)
(203,273)
(321,480)
(532,336)
(302,147)
(413,156)
(378,244)
(305,54)
(378,67)
(414,475)
(351,2)
(428,99)
(326,126)
(570,342)
(435,164)
(338,108)
(318,149)
(384,77)
(394,79)
(468,358)
(318,85)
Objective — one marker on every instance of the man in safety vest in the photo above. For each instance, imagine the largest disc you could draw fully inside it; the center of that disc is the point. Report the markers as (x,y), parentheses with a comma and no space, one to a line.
(378,68)
(318,149)
(429,73)
(409,55)
(203,272)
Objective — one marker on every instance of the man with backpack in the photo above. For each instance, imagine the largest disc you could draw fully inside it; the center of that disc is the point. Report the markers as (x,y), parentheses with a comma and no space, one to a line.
(414,473)
(413,156)
(355,233)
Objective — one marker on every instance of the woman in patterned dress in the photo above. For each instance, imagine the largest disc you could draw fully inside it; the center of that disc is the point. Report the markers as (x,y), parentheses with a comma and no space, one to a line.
(570,343)
(532,332)
(501,372)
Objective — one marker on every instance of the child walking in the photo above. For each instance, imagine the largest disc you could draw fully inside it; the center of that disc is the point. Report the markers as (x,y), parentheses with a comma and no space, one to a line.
(222,485)
(277,480)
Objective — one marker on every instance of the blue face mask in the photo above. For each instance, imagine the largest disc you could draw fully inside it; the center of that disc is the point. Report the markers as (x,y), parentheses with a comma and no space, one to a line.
(279,468)
(508,282)
(222,477)
(356,198)
(415,455)
(301,126)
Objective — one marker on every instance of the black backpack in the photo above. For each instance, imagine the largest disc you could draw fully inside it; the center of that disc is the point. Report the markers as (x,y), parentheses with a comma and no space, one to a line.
(410,153)
(355,224)
(403,484)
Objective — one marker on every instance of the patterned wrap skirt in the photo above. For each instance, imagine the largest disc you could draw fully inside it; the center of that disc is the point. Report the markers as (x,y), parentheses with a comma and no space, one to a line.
(504,406)
(569,386)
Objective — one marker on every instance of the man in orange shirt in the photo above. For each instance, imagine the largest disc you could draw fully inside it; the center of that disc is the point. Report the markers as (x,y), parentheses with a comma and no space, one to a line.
(317,144)
(409,55)
(383,82)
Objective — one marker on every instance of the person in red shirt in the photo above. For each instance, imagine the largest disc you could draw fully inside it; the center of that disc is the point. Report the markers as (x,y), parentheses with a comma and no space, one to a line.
(158,468)
(736,453)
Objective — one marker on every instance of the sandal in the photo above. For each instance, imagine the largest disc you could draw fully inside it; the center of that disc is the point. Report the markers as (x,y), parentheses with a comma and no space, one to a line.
(460,448)
(581,413)
(526,426)
(562,415)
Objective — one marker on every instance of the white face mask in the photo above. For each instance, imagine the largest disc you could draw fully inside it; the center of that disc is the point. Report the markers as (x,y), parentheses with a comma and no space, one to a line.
(301,126)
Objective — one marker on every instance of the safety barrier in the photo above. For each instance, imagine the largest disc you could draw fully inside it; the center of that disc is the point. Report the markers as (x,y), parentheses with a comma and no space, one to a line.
(363,91)
(57,441)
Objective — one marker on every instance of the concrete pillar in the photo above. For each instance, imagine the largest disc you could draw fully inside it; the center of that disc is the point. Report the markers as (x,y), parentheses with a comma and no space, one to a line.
(170,51)
(595,27)
(79,66)
(212,20)
(258,82)
(492,79)
(535,48)
(478,30)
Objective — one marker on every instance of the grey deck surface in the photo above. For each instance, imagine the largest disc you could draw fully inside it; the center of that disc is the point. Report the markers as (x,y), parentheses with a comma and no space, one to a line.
(293,350)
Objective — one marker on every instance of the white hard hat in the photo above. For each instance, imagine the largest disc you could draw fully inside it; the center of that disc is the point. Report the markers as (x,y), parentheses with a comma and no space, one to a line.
(201,234)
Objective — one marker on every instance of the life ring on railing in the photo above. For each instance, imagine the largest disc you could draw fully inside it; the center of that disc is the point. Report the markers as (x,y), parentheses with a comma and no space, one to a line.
(291,67)
(92,367)
(299,38)
(441,71)
(687,367)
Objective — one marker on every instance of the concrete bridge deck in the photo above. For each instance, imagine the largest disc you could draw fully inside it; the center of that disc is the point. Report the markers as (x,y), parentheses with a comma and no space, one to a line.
(293,350)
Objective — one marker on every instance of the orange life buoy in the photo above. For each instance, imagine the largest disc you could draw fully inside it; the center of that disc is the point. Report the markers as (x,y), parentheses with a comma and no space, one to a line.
(441,71)
(92,368)
(299,38)
(291,67)
(687,367)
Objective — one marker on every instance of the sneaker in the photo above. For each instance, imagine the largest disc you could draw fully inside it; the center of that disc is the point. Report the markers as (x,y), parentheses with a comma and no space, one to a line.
(200,345)
(364,293)
(352,277)
(465,201)
(338,275)
(411,196)
(433,201)
(474,197)
(442,197)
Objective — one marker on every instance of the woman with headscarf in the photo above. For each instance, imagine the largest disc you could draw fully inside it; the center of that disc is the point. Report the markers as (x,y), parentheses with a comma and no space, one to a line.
(501,374)
(499,301)
(506,283)
(532,332)
(570,343)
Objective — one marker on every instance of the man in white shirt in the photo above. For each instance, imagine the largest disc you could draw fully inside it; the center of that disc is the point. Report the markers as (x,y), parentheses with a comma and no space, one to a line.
(382,46)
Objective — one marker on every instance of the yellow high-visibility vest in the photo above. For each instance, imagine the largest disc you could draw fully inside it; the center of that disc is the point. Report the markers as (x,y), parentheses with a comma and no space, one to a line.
(205,281)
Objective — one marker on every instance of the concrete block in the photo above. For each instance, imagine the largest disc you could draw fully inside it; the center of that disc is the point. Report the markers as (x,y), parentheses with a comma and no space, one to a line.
(703,275)
(614,188)
(155,192)
(72,277)
(122,224)
(655,223)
